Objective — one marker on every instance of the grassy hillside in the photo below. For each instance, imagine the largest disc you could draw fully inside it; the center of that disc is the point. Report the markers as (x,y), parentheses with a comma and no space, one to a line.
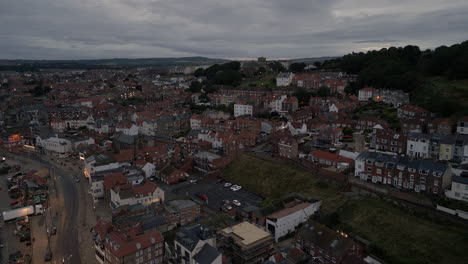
(440,95)
(396,235)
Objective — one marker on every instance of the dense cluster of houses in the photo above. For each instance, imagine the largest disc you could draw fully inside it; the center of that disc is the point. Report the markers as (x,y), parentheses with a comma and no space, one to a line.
(133,128)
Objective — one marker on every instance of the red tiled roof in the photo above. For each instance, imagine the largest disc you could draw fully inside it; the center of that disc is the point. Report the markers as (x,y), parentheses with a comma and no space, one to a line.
(413,108)
(318,154)
(112,179)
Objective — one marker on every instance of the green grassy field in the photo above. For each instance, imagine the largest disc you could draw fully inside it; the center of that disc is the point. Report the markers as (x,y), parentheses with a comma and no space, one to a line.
(401,237)
(274,180)
(397,236)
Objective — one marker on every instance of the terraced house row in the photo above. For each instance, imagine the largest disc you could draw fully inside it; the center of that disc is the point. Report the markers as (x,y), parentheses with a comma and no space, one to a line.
(403,173)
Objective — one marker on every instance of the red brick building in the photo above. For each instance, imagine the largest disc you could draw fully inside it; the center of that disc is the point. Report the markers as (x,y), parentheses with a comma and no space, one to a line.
(328,246)
(288,148)
(130,245)
(389,140)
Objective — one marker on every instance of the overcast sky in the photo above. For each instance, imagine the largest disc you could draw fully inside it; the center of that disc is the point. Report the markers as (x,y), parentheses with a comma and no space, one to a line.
(88,29)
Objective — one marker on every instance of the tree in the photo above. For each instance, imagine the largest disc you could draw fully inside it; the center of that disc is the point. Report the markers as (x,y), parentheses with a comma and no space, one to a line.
(302,95)
(323,91)
(347,131)
(317,64)
(351,88)
(228,77)
(297,67)
(195,87)
(276,66)
(199,72)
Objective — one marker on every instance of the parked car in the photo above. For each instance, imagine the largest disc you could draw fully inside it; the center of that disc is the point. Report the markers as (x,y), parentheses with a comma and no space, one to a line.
(227,184)
(54,230)
(226,208)
(236,203)
(202,196)
(338,144)
(236,188)
(193,181)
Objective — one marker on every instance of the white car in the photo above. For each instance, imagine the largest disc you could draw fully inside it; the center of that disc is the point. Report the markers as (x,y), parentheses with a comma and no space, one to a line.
(227,184)
(193,181)
(236,188)
(338,144)
(236,203)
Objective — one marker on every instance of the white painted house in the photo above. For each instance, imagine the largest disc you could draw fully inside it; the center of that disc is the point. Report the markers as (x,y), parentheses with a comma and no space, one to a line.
(462,126)
(418,145)
(366,93)
(285,221)
(149,169)
(459,189)
(128,129)
(284,78)
(277,104)
(148,128)
(243,109)
(145,194)
(98,163)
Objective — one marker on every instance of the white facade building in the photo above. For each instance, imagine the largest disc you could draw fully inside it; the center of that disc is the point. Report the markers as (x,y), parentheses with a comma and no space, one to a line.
(462,126)
(459,189)
(277,104)
(418,146)
(145,194)
(148,128)
(127,129)
(243,109)
(284,78)
(55,144)
(287,220)
(366,93)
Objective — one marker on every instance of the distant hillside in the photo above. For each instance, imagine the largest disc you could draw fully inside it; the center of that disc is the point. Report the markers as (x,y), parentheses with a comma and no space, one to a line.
(311,60)
(106,63)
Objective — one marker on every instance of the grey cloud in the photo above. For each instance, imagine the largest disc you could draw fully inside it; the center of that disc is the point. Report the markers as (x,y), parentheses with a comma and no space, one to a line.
(70,29)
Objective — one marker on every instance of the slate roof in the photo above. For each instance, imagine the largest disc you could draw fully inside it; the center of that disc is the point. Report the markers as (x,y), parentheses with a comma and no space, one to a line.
(206,255)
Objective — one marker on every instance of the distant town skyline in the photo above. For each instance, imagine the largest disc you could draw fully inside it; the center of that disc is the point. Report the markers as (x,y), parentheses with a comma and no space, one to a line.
(101,29)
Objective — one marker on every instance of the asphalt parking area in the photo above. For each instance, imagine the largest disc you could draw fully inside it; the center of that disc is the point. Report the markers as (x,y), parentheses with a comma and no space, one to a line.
(216,193)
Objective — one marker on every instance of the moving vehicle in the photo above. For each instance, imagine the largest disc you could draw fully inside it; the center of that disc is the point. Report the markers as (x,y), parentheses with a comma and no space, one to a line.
(23,211)
(236,203)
